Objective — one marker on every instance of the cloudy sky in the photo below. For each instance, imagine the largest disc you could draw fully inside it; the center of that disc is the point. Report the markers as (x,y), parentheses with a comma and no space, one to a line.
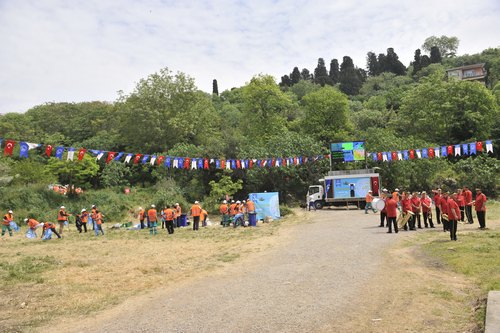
(73,51)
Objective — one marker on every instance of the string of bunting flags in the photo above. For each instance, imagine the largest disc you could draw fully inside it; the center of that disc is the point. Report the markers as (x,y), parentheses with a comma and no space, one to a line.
(463,149)
(468,149)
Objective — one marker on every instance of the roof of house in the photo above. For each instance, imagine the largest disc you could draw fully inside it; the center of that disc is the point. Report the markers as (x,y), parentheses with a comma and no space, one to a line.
(467,67)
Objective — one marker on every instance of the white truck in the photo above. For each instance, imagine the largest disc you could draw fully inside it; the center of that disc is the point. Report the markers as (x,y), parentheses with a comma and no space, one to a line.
(343,188)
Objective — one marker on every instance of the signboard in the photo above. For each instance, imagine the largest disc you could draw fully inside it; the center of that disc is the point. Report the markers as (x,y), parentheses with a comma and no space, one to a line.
(345,188)
(348,151)
(266,204)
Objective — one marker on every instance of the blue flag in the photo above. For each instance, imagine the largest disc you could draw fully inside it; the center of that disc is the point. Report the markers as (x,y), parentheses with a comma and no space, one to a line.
(444,151)
(59,152)
(145,159)
(200,163)
(425,153)
(472,148)
(23,152)
(465,149)
(95,152)
(168,161)
(181,162)
(405,155)
(374,156)
(389,156)
(217,164)
(233,164)
(118,156)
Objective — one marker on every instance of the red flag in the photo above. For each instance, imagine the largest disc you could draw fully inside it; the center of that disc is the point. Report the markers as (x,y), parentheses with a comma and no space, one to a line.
(9,147)
(111,155)
(160,160)
(431,152)
(379,156)
(273,162)
(450,150)
(205,163)
(479,147)
(222,164)
(412,154)
(137,158)
(187,163)
(295,160)
(394,156)
(238,164)
(81,153)
(48,150)
(250,164)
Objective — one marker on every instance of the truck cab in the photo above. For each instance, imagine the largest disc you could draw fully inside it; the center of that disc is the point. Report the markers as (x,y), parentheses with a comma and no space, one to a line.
(316,194)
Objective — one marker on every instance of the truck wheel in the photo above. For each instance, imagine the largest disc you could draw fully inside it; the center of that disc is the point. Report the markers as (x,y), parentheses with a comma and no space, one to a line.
(318,205)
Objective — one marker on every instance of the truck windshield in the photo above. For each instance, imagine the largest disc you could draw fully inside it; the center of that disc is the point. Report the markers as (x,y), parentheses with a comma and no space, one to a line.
(313,190)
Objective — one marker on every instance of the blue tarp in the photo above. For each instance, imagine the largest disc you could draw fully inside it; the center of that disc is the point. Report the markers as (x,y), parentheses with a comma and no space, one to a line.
(266,204)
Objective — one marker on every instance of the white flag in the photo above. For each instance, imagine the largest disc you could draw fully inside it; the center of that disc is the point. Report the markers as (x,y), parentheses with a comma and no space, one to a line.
(193,164)
(71,154)
(176,163)
(152,160)
(242,164)
(99,156)
(128,158)
(457,150)
(489,147)
(400,156)
(228,165)
(437,153)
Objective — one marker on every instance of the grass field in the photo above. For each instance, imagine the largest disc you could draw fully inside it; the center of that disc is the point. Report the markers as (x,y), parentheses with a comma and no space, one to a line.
(475,255)
(81,274)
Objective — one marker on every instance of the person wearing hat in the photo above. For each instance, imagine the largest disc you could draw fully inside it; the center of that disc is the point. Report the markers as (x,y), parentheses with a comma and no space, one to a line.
(178,213)
(152,217)
(224,211)
(62,218)
(169,214)
(233,208)
(49,226)
(195,213)
(32,224)
(396,197)
(84,218)
(7,218)
(369,200)
(93,216)
(480,207)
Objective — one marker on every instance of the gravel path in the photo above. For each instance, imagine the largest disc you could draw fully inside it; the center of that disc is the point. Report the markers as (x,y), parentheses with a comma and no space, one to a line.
(301,285)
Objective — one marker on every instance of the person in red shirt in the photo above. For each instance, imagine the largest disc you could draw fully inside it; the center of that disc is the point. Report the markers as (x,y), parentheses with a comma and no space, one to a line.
(437,204)
(444,211)
(453,215)
(406,207)
(169,214)
(152,217)
(391,206)
(461,203)
(195,213)
(416,207)
(480,206)
(383,212)
(468,204)
(426,209)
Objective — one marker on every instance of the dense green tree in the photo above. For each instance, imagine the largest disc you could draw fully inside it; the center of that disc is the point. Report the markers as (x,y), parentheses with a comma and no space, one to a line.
(334,72)
(351,79)
(305,74)
(295,75)
(372,64)
(215,87)
(321,74)
(392,63)
(78,173)
(435,55)
(447,45)
(417,62)
(285,81)
(116,174)
(425,60)
(326,115)
(303,88)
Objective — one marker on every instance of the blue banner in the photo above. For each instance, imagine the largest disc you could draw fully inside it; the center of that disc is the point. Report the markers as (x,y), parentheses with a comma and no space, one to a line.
(266,204)
(59,152)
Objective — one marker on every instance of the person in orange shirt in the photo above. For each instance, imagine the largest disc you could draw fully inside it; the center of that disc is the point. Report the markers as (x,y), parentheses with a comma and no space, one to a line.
(32,225)
(152,217)
(250,206)
(49,226)
(93,215)
(142,215)
(62,218)
(195,213)
(224,211)
(233,208)
(7,218)
(178,213)
(84,217)
(169,219)
(480,206)
(203,217)
(98,223)
(369,200)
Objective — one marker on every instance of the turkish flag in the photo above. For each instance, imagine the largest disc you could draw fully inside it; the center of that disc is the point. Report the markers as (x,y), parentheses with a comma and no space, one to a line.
(479,147)
(81,153)
(238,164)
(137,158)
(48,150)
(160,160)
(379,156)
(431,152)
(250,164)
(222,164)
(205,163)
(412,154)
(450,150)
(111,155)
(394,156)
(9,147)
(187,163)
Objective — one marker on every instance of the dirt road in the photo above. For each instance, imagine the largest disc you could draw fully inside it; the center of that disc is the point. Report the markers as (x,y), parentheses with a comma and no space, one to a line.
(311,278)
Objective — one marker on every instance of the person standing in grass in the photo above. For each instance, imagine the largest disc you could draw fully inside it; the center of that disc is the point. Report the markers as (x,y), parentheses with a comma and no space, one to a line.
(7,218)
(178,213)
(453,216)
(480,206)
(142,214)
(62,218)
(195,213)
(468,204)
(203,217)
(84,217)
(224,211)
(169,219)
(152,218)
(98,223)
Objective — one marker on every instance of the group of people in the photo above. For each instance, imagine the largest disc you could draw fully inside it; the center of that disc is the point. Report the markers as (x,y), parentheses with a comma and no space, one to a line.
(450,208)
(95,217)
(235,211)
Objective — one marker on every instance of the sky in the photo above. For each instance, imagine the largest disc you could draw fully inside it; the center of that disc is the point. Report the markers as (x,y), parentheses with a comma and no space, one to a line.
(76,51)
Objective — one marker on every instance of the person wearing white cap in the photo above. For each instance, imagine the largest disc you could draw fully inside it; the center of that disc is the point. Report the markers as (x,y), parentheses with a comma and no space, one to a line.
(7,218)
(224,211)
(152,220)
(84,218)
(62,218)
(32,224)
(369,200)
(195,213)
